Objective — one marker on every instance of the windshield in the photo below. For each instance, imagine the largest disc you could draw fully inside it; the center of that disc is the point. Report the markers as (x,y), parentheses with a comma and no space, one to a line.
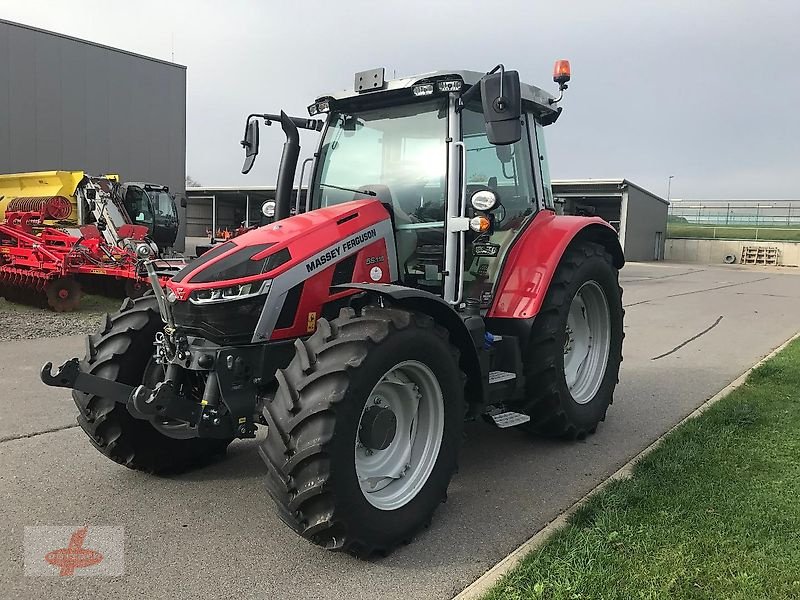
(398,152)
(162,203)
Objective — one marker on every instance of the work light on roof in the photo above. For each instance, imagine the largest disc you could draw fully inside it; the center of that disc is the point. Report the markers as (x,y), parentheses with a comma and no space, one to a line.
(320,107)
(449,86)
(425,89)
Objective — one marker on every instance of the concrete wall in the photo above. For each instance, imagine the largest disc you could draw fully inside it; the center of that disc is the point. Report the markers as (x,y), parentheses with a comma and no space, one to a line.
(644,216)
(711,252)
(72,105)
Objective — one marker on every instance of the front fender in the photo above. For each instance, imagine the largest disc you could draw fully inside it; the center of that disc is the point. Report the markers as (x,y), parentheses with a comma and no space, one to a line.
(532,261)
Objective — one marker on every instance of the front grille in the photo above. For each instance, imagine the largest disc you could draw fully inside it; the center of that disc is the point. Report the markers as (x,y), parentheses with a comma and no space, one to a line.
(224,323)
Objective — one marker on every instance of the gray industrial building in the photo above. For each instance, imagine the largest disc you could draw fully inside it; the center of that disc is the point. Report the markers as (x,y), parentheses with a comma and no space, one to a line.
(69,104)
(225,207)
(637,214)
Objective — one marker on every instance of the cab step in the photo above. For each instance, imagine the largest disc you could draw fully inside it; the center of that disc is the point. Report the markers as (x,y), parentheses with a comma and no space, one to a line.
(509,419)
(500,376)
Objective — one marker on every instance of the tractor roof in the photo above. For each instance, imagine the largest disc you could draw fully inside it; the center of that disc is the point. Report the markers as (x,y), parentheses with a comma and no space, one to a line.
(532,96)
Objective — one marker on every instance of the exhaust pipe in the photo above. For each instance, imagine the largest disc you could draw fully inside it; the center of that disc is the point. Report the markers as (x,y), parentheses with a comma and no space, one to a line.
(288,167)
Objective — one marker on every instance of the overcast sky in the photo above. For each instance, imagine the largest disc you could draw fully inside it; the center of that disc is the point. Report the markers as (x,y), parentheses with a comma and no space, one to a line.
(706,90)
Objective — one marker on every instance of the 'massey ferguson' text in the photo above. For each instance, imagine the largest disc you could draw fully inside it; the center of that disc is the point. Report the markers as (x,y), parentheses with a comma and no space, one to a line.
(346,246)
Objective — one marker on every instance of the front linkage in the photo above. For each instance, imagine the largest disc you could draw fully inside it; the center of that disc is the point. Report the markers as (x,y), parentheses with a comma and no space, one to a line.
(195,373)
(212,417)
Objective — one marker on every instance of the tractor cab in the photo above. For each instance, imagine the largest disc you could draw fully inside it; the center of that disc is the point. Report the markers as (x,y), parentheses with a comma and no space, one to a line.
(456,157)
(153,206)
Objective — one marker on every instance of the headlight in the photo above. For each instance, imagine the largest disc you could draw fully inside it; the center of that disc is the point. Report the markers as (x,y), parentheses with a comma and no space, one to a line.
(230,293)
(483,200)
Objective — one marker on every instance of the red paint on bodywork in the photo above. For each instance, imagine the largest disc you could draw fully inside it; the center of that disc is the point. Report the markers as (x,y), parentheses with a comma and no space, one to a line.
(533,260)
(304,235)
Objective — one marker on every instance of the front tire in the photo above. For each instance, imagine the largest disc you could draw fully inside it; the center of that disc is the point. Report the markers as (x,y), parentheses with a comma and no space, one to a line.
(344,415)
(572,366)
(122,352)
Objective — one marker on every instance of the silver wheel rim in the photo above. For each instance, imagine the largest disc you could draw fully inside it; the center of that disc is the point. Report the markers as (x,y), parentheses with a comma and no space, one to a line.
(587,342)
(392,477)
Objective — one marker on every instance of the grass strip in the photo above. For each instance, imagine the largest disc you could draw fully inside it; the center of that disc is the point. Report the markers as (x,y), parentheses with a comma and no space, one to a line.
(714,512)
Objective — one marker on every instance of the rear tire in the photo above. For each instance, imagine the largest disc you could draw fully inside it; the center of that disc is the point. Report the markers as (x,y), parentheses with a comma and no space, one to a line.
(572,409)
(122,352)
(317,418)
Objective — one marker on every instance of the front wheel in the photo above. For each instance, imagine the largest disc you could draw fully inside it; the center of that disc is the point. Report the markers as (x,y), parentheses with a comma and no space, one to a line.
(122,351)
(364,430)
(575,351)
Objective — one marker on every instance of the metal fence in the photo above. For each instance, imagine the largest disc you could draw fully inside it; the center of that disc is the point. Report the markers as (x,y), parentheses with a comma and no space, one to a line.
(772,221)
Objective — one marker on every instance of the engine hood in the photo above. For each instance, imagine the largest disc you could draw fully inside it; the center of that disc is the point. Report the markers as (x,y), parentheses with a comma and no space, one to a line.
(311,239)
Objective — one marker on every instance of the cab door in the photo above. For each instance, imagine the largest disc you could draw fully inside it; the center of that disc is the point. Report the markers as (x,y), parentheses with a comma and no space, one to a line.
(509,172)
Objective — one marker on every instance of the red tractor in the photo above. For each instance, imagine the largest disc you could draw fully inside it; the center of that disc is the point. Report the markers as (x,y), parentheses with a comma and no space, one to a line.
(426,281)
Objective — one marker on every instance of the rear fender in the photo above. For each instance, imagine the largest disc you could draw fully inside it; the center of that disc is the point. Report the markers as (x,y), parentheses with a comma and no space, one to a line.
(532,261)
(444,315)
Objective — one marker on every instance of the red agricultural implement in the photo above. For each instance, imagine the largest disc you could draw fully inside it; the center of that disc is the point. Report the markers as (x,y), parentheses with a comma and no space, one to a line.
(47,249)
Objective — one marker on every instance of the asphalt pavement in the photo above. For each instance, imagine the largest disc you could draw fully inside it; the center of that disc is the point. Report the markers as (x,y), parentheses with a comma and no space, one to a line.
(690,330)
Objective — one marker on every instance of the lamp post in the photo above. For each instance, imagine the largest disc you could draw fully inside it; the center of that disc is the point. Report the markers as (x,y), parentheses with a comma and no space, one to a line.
(669,186)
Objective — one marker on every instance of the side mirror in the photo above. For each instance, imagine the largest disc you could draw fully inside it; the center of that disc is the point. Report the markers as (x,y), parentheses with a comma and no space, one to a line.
(250,144)
(183,201)
(502,107)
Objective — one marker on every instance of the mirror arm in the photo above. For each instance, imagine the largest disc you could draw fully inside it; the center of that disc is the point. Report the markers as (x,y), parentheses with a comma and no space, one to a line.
(500,98)
(312,124)
(473,90)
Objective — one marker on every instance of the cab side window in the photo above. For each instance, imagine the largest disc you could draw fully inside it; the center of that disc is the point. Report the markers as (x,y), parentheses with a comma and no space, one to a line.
(138,206)
(504,169)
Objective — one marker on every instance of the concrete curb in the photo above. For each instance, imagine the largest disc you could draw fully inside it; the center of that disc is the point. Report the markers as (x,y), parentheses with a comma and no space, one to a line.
(486,581)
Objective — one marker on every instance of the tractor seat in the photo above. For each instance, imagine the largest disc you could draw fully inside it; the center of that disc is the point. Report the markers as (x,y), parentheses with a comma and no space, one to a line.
(405,240)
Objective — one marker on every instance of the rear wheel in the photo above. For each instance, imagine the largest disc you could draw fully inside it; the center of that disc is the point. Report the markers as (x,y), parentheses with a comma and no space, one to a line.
(364,430)
(123,352)
(575,352)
